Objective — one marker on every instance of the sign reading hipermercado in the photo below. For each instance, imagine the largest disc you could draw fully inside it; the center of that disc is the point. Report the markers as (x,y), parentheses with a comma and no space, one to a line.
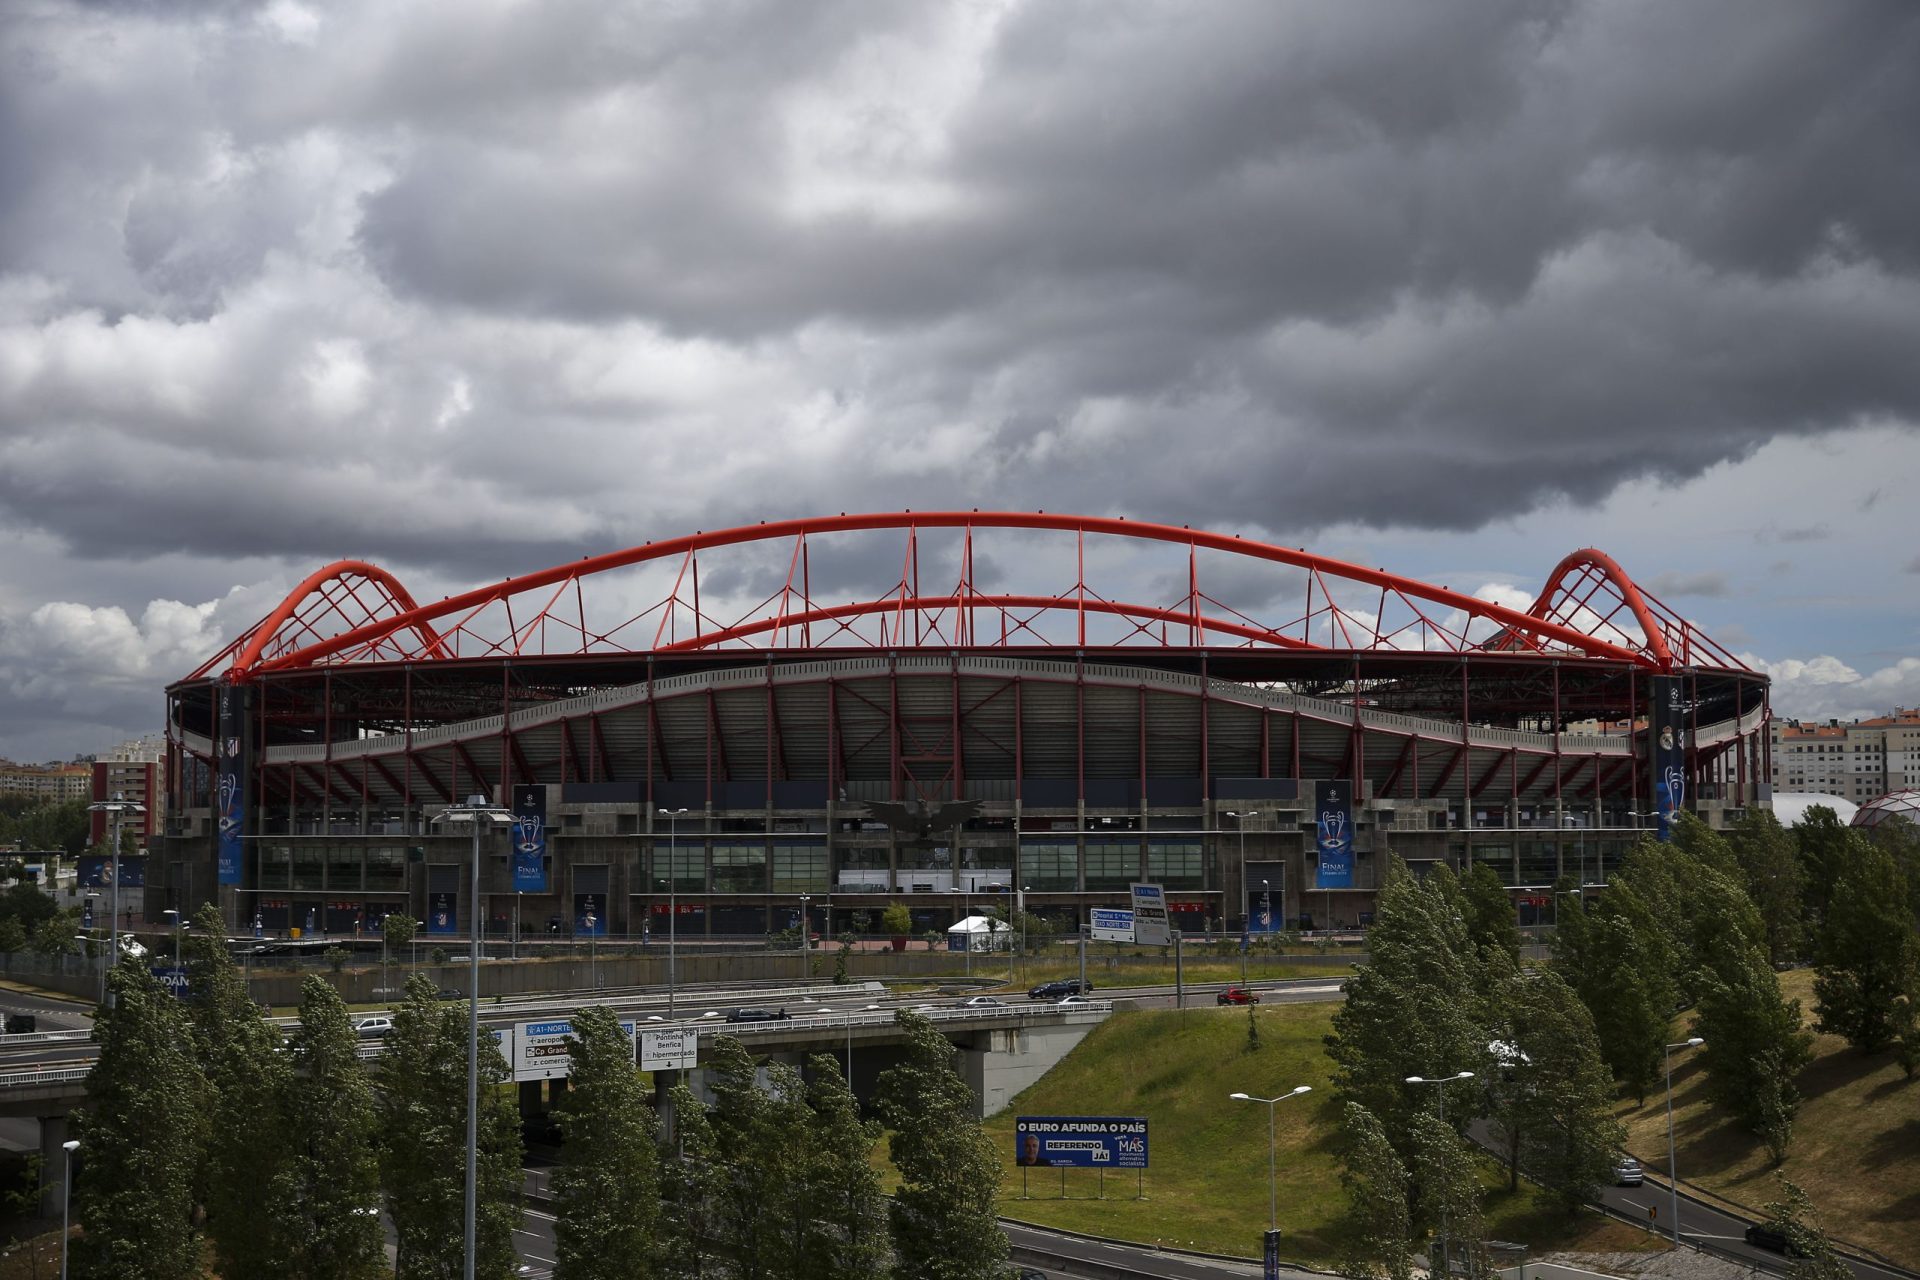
(1151,927)
(1111,925)
(1080,1142)
(540,1048)
(675,1049)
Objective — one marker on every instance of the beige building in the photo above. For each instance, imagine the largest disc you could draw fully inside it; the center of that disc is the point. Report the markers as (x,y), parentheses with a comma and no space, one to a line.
(50,783)
(134,771)
(1859,760)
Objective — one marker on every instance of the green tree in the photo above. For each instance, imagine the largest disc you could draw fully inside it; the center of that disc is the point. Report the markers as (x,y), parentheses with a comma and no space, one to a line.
(896,920)
(845,1210)
(759,1135)
(331,1177)
(1793,1216)
(423,1107)
(1825,846)
(1755,1045)
(944,1226)
(1404,1014)
(248,1080)
(606,1189)
(1489,912)
(1564,1107)
(692,1180)
(12,936)
(1617,973)
(1447,1194)
(1866,953)
(841,974)
(1377,1226)
(139,1131)
(1770,870)
(55,937)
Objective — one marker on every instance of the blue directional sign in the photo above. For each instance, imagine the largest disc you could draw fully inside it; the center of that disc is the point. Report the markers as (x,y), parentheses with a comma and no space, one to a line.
(1080,1142)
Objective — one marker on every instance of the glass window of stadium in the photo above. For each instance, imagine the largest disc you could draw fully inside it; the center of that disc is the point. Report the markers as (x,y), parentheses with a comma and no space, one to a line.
(863,869)
(1176,864)
(685,863)
(386,867)
(344,868)
(276,867)
(799,866)
(309,866)
(739,868)
(1050,867)
(1111,865)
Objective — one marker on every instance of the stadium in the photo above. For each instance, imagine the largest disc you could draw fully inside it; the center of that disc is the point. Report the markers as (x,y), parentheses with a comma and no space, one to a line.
(736,727)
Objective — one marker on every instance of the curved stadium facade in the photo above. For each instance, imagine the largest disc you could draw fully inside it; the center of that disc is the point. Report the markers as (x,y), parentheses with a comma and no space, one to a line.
(713,724)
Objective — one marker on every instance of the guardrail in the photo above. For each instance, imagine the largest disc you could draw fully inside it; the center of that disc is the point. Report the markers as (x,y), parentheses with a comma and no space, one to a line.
(45,1075)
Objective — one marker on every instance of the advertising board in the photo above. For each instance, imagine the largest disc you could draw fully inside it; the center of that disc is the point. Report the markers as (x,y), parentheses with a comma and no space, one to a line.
(671,1049)
(1333,833)
(1080,1142)
(1110,924)
(540,1048)
(1151,925)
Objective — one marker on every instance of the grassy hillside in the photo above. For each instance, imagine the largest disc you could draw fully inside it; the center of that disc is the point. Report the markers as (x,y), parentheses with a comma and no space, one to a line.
(1856,1144)
(1207,1188)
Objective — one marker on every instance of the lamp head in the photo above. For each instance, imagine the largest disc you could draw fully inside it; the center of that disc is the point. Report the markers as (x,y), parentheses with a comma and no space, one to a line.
(1305,1088)
(1416,1080)
(70,1146)
(1695,1042)
(1241,1097)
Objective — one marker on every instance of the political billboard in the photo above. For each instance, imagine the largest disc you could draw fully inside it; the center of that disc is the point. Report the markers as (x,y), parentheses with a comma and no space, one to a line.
(1110,924)
(1333,833)
(1151,925)
(529,838)
(540,1048)
(1080,1142)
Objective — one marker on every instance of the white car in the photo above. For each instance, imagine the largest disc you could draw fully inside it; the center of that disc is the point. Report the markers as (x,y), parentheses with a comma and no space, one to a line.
(1073,1000)
(373,1028)
(1626,1172)
(983,1002)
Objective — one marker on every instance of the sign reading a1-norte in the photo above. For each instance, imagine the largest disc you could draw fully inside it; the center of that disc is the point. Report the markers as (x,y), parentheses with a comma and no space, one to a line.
(1080,1142)
(1109,924)
(540,1048)
(671,1049)
(1151,927)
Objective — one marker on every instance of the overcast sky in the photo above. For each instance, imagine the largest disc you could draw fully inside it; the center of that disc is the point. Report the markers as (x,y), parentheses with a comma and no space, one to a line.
(471,288)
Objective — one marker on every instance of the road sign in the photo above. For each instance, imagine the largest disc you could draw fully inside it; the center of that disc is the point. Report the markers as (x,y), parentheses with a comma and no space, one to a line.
(1080,1142)
(1111,924)
(540,1048)
(1151,927)
(671,1049)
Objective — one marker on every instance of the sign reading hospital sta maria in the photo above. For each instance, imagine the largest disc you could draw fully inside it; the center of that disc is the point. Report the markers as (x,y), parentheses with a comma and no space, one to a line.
(1080,1142)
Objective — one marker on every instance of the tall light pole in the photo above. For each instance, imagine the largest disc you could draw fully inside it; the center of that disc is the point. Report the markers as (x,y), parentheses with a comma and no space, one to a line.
(673,914)
(1673,1179)
(113,809)
(477,815)
(70,1146)
(593,951)
(1273,1195)
(1446,1251)
(806,927)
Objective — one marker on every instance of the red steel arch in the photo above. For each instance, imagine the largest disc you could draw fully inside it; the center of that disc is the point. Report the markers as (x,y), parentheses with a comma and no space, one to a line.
(546,613)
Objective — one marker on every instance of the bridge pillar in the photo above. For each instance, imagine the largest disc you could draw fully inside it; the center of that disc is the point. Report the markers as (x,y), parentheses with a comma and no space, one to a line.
(530,1104)
(53,1164)
(998,1064)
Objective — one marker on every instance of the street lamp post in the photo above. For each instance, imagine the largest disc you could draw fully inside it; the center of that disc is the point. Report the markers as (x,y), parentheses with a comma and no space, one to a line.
(476,814)
(593,951)
(70,1146)
(806,927)
(113,809)
(1240,821)
(1673,1179)
(1273,1195)
(1446,1251)
(673,914)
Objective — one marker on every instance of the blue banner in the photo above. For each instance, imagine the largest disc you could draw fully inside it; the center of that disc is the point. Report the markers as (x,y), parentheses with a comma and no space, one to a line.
(1333,833)
(172,978)
(1667,736)
(589,915)
(96,872)
(443,913)
(1080,1142)
(529,838)
(230,787)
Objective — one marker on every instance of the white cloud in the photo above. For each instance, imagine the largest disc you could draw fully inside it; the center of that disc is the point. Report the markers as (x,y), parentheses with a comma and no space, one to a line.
(1823,687)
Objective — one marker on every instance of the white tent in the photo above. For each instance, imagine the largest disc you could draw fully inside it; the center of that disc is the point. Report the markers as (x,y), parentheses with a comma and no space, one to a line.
(980,933)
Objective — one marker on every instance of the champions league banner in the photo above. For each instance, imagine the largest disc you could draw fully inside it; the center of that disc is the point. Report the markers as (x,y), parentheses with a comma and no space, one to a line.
(1333,833)
(1667,751)
(529,838)
(230,785)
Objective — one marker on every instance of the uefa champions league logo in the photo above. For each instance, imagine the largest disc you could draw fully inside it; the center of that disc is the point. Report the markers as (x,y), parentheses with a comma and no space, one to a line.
(1673,783)
(1333,830)
(527,835)
(229,796)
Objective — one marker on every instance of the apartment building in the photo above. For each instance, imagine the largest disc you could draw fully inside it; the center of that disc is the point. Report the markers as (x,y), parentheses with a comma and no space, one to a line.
(1859,760)
(46,783)
(135,771)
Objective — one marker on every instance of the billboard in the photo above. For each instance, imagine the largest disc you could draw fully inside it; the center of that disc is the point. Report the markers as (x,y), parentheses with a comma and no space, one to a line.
(1110,924)
(172,977)
(669,1049)
(1333,833)
(1080,1142)
(1667,750)
(540,1048)
(529,838)
(230,786)
(96,872)
(1151,927)
(443,913)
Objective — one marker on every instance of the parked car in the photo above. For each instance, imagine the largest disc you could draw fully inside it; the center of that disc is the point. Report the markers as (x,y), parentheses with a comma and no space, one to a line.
(1237,995)
(374,1027)
(1062,987)
(1764,1235)
(758,1015)
(983,1002)
(1627,1172)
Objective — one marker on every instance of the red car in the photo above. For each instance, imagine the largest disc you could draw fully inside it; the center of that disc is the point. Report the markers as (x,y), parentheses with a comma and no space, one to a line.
(1237,995)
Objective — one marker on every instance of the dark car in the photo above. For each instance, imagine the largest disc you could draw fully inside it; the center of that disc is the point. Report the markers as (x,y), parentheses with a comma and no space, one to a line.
(1063,987)
(1025,1273)
(449,993)
(1763,1235)
(1237,995)
(758,1015)
(20,1024)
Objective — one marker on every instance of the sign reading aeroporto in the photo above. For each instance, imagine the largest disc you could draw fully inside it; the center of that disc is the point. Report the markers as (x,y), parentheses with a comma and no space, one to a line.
(1080,1142)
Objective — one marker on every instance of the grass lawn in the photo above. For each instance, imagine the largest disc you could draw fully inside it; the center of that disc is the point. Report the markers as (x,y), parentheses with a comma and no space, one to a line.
(1207,1188)
(1855,1149)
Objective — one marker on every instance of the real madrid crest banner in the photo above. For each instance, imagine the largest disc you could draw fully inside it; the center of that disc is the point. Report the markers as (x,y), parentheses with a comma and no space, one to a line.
(1333,833)
(230,785)
(1667,742)
(529,838)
